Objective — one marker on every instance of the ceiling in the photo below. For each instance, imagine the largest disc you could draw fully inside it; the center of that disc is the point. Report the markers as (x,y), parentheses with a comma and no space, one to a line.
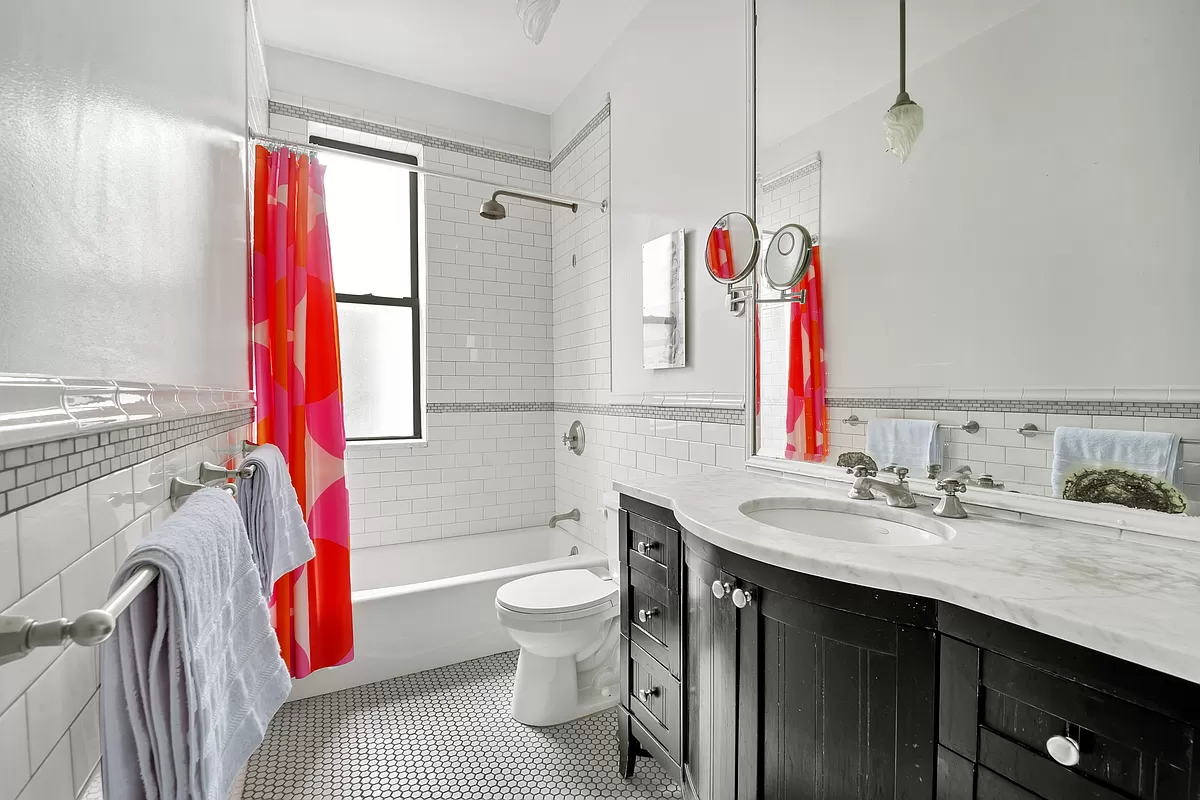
(828,53)
(472,46)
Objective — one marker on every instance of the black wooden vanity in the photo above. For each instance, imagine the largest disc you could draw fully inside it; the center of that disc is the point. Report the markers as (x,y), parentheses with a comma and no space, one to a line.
(746,680)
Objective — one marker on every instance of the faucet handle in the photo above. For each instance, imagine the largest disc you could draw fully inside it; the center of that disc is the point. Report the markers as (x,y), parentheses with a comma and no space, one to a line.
(902,473)
(862,472)
(950,486)
(934,471)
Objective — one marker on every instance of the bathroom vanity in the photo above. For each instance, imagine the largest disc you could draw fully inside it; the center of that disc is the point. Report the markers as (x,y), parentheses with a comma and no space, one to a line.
(1003,661)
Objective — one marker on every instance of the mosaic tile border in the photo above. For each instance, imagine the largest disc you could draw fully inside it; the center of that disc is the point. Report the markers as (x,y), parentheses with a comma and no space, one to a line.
(577,140)
(392,132)
(729,416)
(783,180)
(32,473)
(1110,408)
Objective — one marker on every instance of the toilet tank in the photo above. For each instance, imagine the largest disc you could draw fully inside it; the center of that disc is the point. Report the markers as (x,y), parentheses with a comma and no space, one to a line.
(611,511)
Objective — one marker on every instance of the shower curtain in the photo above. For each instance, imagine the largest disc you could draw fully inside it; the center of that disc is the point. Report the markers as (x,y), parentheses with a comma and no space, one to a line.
(297,373)
(807,420)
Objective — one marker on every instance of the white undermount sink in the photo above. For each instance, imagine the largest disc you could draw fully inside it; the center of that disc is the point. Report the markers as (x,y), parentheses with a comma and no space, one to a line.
(868,522)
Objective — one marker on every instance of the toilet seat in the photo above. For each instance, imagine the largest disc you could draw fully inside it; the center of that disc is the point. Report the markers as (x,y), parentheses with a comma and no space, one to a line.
(569,593)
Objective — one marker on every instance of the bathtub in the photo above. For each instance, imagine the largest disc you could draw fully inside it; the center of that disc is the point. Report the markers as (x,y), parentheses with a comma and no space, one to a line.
(428,604)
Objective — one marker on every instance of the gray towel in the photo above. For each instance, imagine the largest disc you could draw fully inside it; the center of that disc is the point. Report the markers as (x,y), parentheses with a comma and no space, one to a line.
(274,520)
(193,675)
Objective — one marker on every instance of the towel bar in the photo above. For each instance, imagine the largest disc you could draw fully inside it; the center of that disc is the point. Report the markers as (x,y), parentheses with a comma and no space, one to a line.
(970,427)
(180,489)
(1029,429)
(210,472)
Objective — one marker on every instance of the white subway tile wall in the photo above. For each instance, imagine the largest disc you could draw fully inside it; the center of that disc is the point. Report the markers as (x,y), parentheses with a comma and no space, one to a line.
(618,447)
(57,559)
(488,326)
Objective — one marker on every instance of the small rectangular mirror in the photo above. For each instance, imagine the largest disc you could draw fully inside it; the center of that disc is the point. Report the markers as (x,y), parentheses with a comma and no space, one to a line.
(664,343)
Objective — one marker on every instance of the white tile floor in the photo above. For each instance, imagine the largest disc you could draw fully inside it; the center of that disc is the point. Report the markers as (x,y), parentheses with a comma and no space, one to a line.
(440,734)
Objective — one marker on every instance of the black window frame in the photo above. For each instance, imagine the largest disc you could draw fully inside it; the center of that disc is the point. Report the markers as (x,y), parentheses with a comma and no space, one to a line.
(413,301)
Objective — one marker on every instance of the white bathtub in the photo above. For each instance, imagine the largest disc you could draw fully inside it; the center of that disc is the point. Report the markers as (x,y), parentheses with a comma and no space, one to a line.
(428,604)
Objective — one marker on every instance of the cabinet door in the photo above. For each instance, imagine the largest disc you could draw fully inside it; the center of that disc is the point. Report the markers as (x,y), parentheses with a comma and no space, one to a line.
(846,705)
(710,673)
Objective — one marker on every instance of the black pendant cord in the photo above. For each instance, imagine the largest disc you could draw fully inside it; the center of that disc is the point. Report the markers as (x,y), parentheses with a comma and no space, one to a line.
(903,41)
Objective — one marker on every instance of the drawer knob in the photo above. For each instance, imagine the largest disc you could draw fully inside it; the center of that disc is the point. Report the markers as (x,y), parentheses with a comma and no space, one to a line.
(647,613)
(648,693)
(646,547)
(742,597)
(720,589)
(1063,749)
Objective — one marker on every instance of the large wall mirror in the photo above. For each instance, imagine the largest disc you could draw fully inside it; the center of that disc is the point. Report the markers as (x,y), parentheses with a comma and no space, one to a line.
(1014,303)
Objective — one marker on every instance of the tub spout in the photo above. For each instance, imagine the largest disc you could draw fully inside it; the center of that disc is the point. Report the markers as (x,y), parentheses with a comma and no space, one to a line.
(573,514)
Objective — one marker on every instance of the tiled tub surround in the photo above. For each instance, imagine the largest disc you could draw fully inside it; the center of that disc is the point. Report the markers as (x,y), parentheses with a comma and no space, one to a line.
(1021,462)
(487,341)
(626,437)
(104,493)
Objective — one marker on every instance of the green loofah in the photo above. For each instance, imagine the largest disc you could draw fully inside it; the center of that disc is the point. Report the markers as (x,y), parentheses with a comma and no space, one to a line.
(857,459)
(1124,487)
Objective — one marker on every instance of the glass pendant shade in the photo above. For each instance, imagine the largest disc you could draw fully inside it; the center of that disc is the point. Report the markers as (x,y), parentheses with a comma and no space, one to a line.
(535,17)
(902,124)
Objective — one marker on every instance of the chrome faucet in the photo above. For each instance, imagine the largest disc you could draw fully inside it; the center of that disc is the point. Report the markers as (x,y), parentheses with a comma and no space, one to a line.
(573,514)
(897,494)
(950,506)
(984,481)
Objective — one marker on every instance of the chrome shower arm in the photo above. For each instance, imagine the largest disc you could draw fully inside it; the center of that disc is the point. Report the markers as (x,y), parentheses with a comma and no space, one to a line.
(548,199)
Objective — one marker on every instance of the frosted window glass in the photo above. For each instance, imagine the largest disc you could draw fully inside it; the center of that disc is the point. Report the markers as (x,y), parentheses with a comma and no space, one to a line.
(377,370)
(369,226)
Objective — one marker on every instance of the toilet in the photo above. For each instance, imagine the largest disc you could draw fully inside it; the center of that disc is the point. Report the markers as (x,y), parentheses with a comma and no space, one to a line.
(568,628)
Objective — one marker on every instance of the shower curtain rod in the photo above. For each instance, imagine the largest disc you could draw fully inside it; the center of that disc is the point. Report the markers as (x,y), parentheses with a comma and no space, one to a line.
(316,148)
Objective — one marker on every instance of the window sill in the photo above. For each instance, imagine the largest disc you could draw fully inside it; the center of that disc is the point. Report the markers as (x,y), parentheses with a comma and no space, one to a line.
(386,444)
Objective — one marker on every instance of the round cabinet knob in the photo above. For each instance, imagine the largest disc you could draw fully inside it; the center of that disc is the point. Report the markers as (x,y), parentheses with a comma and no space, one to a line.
(720,589)
(646,547)
(742,597)
(1063,749)
(648,693)
(647,613)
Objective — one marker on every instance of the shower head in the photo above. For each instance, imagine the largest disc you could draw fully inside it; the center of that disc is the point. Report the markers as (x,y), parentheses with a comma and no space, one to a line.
(492,209)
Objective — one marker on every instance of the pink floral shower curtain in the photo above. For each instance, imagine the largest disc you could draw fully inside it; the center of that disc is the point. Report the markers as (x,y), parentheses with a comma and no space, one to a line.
(298,384)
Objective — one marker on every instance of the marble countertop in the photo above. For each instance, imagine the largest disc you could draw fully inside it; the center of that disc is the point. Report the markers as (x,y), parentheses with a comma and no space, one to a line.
(1135,601)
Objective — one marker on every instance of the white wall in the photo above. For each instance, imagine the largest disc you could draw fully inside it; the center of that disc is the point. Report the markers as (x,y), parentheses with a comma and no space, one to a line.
(440,112)
(1043,233)
(678,81)
(123,219)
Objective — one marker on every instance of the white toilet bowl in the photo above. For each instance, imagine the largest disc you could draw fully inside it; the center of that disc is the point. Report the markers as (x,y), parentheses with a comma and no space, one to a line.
(567,625)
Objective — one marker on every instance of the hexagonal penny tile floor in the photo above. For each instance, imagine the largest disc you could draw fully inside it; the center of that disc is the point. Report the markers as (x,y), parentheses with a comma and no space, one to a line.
(440,735)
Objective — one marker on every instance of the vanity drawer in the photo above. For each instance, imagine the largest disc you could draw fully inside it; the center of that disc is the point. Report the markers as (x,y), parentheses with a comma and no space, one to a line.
(651,619)
(652,548)
(654,697)
(1124,750)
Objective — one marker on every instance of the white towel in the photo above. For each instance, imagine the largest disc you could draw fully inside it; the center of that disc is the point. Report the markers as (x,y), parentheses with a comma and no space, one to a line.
(1155,454)
(279,538)
(912,443)
(192,675)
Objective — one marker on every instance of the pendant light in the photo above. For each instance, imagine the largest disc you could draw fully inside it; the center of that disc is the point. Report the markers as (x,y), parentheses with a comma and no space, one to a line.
(535,17)
(905,120)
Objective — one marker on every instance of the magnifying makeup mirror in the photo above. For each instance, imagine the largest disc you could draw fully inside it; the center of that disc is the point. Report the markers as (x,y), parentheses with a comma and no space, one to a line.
(733,248)
(789,255)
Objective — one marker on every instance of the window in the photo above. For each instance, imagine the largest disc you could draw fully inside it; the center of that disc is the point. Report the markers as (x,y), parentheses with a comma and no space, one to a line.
(373,230)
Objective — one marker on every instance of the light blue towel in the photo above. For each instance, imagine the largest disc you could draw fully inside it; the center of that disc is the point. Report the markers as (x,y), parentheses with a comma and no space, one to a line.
(1155,454)
(279,538)
(911,443)
(193,675)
